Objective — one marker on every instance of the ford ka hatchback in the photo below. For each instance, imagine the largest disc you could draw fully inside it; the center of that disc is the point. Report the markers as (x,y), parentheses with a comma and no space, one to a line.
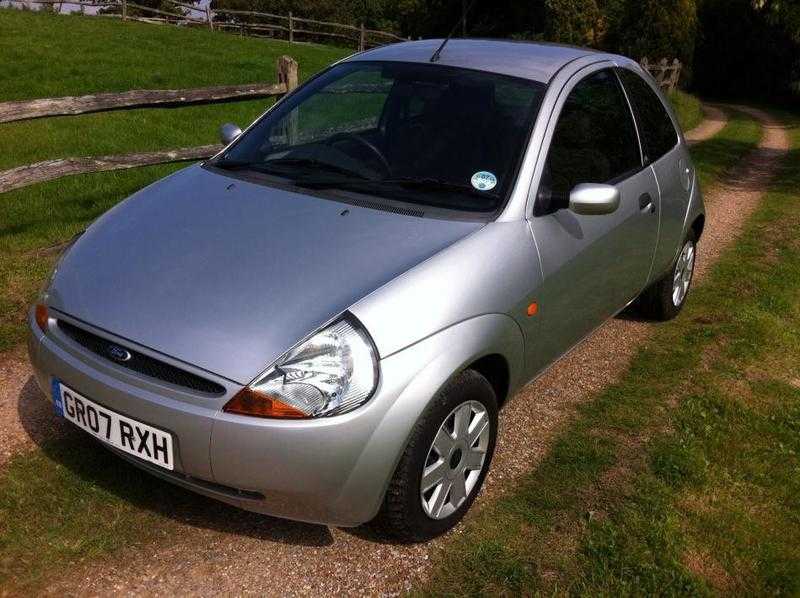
(322,321)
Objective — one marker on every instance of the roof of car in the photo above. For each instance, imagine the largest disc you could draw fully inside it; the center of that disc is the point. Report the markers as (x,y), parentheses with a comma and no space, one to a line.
(529,60)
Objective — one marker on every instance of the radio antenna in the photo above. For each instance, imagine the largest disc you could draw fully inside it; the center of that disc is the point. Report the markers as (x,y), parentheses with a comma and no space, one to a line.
(462,21)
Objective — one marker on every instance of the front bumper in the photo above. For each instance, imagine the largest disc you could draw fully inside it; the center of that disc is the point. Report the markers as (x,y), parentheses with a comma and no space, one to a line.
(330,470)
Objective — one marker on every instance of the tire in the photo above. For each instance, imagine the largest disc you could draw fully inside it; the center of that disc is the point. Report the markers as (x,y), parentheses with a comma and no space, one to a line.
(662,300)
(403,514)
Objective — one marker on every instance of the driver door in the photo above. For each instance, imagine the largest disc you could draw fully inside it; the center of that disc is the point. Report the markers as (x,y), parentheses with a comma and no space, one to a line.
(592,265)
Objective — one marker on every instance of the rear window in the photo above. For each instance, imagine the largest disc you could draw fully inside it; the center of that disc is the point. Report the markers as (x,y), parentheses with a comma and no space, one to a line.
(655,126)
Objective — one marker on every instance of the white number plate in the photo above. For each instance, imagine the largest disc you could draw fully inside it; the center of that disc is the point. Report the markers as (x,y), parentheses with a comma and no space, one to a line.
(123,433)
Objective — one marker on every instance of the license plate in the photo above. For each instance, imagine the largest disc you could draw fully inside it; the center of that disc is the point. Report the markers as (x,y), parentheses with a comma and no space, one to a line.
(121,432)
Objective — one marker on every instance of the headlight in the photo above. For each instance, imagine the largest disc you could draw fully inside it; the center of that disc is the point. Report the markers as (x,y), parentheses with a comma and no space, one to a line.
(333,372)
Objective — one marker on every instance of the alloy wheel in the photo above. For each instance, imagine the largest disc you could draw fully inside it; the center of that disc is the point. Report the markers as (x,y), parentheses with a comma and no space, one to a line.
(682,276)
(455,460)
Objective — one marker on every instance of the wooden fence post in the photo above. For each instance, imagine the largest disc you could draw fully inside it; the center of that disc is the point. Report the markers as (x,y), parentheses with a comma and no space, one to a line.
(208,17)
(288,72)
(291,28)
(124,10)
(361,39)
(676,74)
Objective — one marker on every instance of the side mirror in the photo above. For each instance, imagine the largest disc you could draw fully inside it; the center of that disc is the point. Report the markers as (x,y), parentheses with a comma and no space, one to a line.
(593,199)
(228,133)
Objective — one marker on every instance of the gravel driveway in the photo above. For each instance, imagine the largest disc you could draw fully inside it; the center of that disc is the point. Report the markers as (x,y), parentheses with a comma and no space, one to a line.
(247,554)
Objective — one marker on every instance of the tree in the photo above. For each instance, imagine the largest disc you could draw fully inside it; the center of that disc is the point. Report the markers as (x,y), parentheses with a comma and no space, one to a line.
(572,21)
(748,48)
(654,28)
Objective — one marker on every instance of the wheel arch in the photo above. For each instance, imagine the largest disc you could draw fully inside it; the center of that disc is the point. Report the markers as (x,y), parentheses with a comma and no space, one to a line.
(698,225)
(491,344)
(495,369)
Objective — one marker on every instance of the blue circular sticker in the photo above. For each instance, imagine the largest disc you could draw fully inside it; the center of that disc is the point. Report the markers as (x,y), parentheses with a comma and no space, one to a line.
(483,181)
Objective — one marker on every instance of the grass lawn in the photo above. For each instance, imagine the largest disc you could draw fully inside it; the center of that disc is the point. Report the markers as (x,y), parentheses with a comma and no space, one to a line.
(88,55)
(688,109)
(44,55)
(684,477)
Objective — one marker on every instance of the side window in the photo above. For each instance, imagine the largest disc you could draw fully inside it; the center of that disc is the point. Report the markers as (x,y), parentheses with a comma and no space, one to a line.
(594,140)
(655,125)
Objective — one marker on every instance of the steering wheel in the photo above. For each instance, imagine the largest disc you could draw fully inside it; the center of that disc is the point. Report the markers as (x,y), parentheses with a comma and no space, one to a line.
(344,135)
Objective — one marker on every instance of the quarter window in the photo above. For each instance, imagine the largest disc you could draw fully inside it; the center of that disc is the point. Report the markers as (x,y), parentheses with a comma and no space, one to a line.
(655,126)
(594,140)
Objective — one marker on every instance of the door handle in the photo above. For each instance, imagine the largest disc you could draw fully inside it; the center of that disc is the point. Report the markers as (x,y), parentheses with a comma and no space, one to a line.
(646,203)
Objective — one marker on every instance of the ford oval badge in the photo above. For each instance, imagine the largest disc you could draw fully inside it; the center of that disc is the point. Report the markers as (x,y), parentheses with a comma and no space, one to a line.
(117,353)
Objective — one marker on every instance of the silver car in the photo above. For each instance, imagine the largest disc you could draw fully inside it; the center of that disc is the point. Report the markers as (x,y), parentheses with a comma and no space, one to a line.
(322,321)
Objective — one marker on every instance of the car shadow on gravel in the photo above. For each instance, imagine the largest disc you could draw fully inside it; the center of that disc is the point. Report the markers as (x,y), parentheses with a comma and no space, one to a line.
(88,461)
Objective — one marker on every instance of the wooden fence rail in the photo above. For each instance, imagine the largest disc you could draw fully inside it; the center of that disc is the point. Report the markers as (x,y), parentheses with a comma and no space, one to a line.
(667,74)
(29,174)
(243,22)
(27,109)
(40,172)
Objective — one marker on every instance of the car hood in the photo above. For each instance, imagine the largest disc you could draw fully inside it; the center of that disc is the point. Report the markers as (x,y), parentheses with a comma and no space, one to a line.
(227,275)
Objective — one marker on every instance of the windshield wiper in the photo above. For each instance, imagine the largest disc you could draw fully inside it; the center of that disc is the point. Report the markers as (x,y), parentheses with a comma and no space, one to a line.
(425,184)
(433,184)
(228,164)
(286,167)
(312,163)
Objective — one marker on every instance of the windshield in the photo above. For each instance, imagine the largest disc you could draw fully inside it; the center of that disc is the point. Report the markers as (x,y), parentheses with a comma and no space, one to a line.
(419,133)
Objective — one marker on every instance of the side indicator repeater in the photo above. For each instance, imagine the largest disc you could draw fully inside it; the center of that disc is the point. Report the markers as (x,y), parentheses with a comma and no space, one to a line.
(533,309)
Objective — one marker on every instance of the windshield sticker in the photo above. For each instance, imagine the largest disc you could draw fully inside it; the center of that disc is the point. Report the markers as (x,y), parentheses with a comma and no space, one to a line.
(484,181)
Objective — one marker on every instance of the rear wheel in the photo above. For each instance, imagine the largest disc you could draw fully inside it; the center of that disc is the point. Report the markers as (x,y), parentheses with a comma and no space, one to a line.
(443,467)
(665,298)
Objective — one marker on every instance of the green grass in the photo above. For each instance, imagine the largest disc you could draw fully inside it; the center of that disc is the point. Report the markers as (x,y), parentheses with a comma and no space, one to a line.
(108,133)
(684,477)
(721,153)
(46,55)
(88,55)
(688,109)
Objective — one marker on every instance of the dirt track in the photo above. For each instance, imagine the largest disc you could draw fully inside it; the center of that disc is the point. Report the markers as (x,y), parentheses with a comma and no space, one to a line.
(246,554)
(715,121)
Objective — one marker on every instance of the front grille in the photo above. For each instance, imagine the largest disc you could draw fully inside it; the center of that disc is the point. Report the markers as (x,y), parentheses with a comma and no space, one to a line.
(139,362)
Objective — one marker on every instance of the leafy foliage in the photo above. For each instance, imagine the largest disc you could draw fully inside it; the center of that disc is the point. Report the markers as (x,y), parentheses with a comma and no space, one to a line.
(748,48)
(653,28)
(572,21)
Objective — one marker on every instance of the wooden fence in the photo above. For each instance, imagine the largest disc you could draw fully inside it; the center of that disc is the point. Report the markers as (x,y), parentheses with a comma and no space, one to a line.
(22,176)
(241,22)
(667,74)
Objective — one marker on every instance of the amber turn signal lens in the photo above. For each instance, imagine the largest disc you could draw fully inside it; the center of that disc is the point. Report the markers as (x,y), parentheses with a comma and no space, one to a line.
(533,309)
(250,402)
(41,316)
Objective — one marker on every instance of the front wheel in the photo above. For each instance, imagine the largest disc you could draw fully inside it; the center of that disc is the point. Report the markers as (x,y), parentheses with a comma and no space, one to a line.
(665,298)
(445,462)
